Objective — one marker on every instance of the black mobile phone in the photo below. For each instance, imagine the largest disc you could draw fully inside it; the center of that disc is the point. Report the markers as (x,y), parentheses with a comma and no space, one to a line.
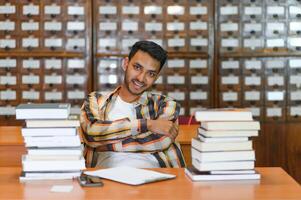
(89,181)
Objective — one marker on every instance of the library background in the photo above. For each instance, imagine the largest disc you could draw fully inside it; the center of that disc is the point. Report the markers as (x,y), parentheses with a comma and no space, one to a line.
(223,53)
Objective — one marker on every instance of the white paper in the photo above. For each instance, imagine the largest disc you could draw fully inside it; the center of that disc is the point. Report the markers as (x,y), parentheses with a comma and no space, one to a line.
(175,26)
(53,64)
(180,96)
(294,42)
(31,63)
(149,10)
(108,79)
(126,43)
(230,64)
(11,43)
(176,63)
(252,95)
(7,9)
(274,112)
(295,26)
(7,110)
(76,64)
(295,79)
(275,26)
(295,95)
(72,42)
(252,27)
(295,111)
(175,10)
(253,80)
(159,80)
(153,26)
(230,80)
(294,10)
(253,43)
(75,79)
(202,80)
(157,41)
(107,10)
(129,175)
(107,42)
(229,10)
(53,79)
(30,26)
(198,95)
(198,25)
(61,188)
(203,42)
(255,111)
(230,42)
(33,95)
(271,64)
(52,10)
(76,10)
(176,42)
(275,96)
(230,96)
(108,63)
(7,25)
(129,26)
(10,80)
(31,9)
(278,10)
(229,26)
(176,79)
(8,95)
(252,10)
(108,26)
(198,64)
(53,42)
(76,26)
(295,63)
(53,26)
(30,79)
(130,10)
(30,42)
(253,64)
(7,62)
(76,95)
(275,43)
(198,10)
(53,96)
(275,80)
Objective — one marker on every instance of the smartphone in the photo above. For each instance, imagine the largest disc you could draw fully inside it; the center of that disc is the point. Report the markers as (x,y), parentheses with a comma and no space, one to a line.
(89,181)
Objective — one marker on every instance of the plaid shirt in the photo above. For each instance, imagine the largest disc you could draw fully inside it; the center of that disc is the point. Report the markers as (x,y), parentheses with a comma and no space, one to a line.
(124,135)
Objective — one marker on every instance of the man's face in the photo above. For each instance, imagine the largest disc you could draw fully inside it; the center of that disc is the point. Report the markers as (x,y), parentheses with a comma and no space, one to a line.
(140,72)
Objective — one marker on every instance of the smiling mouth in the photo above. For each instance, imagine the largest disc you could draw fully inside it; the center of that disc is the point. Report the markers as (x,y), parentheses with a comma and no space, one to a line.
(138,84)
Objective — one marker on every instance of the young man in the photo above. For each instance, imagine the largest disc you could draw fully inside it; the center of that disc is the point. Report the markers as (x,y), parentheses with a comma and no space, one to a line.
(131,126)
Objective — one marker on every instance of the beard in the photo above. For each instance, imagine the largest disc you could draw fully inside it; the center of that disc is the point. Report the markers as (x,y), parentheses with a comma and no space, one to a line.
(127,83)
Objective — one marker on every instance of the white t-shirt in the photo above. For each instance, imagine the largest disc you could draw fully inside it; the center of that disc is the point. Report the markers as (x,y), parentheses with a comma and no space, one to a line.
(119,110)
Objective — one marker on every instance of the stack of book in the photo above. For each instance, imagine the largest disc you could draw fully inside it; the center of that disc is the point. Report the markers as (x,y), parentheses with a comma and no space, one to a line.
(223,149)
(53,144)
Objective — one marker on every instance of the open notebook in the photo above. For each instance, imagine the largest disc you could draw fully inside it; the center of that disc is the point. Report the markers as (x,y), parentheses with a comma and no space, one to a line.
(130,175)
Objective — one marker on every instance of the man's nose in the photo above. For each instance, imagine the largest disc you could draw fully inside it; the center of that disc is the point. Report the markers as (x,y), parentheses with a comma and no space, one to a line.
(141,77)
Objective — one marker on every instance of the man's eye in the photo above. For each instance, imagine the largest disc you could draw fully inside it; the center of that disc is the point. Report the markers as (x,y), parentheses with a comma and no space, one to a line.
(137,67)
(152,74)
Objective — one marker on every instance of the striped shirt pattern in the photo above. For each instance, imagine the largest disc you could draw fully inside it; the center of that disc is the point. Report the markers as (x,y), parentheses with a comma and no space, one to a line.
(124,135)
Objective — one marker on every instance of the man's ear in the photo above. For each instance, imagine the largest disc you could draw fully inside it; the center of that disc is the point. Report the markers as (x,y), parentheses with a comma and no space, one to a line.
(125,63)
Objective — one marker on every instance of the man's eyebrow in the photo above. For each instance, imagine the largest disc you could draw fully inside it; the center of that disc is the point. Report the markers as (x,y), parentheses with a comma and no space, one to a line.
(139,65)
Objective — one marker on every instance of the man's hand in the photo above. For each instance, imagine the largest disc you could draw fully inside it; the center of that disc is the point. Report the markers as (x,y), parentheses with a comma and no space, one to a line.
(163,127)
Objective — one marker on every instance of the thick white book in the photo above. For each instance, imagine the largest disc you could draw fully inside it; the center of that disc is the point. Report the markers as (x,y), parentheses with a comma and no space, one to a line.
(222,139)
(52,157)
(52,123)
(250,171)
(221,146)
(224,114)
(52,165)
(227,165)
(76,151)
(231,125)
(32,176)
(222,155)
(228,133)
(48,131)
(52,141)
(43,111)
(196,175)
(130,175)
